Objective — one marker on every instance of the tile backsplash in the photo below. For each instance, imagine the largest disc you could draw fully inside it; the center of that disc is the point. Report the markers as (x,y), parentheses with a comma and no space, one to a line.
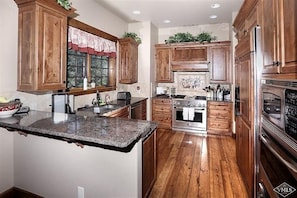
(188,83)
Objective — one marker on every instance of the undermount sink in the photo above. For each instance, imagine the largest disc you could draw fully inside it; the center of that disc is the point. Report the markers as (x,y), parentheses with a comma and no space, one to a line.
(100,109)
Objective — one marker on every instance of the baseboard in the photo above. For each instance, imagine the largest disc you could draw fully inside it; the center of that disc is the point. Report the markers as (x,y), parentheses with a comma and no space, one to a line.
(18,193)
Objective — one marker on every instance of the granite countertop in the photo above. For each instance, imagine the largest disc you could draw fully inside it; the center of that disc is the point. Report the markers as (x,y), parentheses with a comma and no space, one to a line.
(118,104)
(112,133)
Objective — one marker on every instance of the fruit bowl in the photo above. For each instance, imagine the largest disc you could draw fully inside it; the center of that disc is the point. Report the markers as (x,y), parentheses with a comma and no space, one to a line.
(9,108)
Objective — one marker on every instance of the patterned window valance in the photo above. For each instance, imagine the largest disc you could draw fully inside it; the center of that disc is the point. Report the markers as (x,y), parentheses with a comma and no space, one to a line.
(89,43)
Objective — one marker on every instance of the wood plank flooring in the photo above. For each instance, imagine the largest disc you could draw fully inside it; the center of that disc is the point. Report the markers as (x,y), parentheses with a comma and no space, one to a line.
(196,166)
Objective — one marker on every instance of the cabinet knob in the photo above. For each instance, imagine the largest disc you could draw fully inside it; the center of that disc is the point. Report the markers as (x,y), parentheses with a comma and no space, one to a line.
(276,63)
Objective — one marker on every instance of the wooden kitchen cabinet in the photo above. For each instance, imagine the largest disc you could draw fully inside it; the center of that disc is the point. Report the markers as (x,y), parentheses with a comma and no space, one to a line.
(149,158)
(122,113)
(245,153)
(246,19)
(220,63)
(42,45)
(162,112)
(279,23)
(128,61)
(138,110)
(190,57)
(163,71)
(219,117)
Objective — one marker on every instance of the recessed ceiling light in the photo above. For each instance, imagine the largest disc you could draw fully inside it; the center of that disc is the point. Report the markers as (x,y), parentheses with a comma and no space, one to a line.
(215,5)
(136,12)
(166,21)
(213,16)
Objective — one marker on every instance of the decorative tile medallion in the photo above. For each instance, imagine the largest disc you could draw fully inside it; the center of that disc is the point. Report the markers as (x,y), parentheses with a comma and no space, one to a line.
(190,82)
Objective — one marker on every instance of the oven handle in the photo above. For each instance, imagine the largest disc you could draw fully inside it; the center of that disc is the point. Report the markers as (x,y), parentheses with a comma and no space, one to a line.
(279,154)
(196,109)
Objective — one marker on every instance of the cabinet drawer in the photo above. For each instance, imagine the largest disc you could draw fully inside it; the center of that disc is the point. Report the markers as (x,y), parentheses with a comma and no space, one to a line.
(219,113)
(222,107)
(218,123)
(162,108)
(162,101)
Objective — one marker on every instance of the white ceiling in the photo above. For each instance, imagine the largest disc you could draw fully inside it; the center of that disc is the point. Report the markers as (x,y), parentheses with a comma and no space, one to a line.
(179,12)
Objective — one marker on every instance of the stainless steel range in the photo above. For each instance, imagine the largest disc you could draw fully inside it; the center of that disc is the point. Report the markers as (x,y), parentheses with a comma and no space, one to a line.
(189,113)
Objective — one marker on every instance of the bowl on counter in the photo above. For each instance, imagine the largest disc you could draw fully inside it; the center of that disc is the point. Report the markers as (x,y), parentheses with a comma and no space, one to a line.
(9,108)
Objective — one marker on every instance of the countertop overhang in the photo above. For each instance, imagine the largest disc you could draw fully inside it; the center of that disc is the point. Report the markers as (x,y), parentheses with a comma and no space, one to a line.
(118,134)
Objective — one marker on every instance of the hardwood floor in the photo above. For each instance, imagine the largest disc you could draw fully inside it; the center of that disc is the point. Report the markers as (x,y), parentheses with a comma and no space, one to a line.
(196,166)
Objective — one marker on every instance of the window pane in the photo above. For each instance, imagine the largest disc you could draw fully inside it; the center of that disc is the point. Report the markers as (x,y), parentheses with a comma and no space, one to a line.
(99,70)
(76,68)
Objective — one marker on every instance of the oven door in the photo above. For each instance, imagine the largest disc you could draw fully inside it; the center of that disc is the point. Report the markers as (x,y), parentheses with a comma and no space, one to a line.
(273,108)
(277,169)
(198,122)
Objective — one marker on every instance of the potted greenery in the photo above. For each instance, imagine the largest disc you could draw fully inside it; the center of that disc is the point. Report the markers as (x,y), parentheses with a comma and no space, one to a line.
(187,37)
(65,4)
(133,36)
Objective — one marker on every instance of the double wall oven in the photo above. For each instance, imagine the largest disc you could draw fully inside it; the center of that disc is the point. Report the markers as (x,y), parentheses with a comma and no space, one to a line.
(189,113)
(278,141)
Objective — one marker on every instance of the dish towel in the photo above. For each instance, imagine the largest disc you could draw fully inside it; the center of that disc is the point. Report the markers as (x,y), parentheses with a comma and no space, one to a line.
(191,113)
(185,113)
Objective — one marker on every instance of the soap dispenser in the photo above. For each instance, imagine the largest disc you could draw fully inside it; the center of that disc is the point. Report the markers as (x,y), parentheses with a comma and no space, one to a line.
(85,83)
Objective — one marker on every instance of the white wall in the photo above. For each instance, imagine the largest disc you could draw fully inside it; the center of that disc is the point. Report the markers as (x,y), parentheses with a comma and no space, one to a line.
(8,62)
(54,169)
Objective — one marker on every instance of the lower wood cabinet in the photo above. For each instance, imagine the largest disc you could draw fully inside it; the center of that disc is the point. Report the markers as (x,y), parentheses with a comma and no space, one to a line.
(162,112)
(219,117)
(149,163)
(138,110)
(245,153)
(122,112)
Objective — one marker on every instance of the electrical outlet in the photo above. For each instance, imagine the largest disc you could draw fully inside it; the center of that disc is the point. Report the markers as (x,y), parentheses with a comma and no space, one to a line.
(80,192)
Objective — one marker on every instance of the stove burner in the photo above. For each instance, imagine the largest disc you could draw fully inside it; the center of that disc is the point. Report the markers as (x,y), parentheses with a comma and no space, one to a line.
(178,96)
(200,98)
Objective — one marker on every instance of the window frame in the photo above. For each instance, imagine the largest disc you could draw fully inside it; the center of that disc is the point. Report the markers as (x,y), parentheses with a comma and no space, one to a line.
(112,61)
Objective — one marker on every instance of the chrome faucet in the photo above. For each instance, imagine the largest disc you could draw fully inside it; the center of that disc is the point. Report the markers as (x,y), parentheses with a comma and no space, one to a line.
(107,99)
(97,100)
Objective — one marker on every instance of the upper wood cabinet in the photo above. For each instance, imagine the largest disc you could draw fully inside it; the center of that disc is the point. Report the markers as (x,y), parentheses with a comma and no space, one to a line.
(220,64)
(212,57)
(163,64)
(190,57)
(128,61)
(42,45)
(279,23)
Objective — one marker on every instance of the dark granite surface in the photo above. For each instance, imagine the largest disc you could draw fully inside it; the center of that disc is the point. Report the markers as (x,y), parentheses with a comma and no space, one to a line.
(113,133)
(89,110)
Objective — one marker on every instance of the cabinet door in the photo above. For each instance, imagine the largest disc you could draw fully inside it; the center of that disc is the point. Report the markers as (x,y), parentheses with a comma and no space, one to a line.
(128,61)
(163,65)
(288,22)
(269,37)
(244,153)
(245,87)
(42,46)
(220,64)
(149,173)
(52,53)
